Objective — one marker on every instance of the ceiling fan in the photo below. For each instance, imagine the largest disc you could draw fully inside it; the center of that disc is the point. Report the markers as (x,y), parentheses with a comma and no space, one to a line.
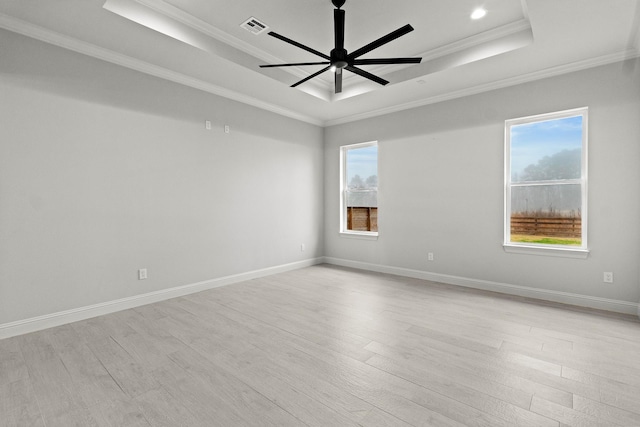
(339,59)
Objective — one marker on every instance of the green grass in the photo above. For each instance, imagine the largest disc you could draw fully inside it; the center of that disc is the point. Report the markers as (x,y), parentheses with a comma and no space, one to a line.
(572,241)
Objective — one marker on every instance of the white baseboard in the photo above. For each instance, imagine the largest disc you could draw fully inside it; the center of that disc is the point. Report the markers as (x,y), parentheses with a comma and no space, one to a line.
(505,288)
(25,326)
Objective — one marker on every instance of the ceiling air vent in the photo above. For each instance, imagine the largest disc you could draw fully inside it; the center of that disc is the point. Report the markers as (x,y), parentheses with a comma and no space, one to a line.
(254,26)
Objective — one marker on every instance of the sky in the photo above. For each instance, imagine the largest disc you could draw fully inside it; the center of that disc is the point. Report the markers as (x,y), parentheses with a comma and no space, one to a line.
(532,141)
(363,162)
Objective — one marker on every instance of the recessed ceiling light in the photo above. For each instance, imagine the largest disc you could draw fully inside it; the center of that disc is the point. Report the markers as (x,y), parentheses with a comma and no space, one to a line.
(478,13)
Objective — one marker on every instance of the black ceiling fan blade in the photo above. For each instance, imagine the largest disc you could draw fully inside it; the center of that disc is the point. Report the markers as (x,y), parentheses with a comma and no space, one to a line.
(310,77)
(300,45)
(381,41)
(387,61)
(296,64)
(338,80)
(338,23)
(366,75)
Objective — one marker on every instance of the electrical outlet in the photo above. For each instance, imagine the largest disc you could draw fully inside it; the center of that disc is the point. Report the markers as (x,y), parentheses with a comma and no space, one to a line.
(608,277)
(227,129)
(142,274)
(302,247)
(430,256)
(207,124)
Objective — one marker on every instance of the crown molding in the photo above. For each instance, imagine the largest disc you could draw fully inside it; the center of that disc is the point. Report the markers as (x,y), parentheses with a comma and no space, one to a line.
(478,39)
(486,87)
(209,30)
(466,43)
(51,37)
(183,17)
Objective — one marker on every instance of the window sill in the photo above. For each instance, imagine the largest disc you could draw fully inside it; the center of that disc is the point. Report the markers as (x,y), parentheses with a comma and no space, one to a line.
(363,235)
(547,251)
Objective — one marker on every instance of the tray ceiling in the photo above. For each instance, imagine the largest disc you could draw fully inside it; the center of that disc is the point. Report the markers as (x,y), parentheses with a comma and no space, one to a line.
(201,43)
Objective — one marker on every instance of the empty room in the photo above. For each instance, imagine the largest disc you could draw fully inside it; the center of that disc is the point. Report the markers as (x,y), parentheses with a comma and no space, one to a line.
(319,213)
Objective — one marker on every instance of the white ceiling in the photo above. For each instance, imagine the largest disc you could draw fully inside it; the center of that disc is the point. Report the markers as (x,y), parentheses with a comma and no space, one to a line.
(200,43)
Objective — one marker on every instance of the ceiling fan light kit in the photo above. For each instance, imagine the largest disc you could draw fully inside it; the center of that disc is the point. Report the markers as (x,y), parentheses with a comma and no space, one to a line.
(339,59)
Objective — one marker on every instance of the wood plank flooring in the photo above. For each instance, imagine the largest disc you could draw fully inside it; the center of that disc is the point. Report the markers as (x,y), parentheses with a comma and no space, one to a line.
(329,346)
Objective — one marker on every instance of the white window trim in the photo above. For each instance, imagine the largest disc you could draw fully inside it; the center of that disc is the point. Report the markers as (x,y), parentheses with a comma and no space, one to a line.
(360,235)
(542,249)
(365,235)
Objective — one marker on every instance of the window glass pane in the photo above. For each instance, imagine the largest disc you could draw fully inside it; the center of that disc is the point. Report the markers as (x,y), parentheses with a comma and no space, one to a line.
(362,168)
(361,188)
(547,150)
(547,214)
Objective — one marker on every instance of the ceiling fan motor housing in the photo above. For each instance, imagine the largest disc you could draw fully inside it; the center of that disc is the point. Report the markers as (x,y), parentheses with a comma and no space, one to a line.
(339,58)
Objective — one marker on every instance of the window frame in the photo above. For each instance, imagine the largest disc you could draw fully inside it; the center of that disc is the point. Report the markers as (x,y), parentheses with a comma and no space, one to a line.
(540,248)
(367,235)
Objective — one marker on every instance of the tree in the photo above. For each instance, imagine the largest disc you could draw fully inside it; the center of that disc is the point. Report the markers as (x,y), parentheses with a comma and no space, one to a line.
(372,181)
(565,164)
(356,182)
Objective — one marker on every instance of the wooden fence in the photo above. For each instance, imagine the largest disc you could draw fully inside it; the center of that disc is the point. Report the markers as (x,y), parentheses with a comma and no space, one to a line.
(552,227)
(366,219)
(362,219)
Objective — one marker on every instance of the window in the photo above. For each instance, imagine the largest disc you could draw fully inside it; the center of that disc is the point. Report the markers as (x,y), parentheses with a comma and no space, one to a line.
(359,188)
(546,183)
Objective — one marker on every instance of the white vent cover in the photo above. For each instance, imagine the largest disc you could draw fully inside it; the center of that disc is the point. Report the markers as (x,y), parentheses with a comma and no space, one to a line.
(254,26)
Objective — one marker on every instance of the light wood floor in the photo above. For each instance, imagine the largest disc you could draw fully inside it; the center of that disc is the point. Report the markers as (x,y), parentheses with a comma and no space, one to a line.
(326,346)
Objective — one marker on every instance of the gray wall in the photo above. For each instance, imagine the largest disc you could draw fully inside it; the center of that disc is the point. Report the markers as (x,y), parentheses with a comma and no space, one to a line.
(441,185)
(104,170)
